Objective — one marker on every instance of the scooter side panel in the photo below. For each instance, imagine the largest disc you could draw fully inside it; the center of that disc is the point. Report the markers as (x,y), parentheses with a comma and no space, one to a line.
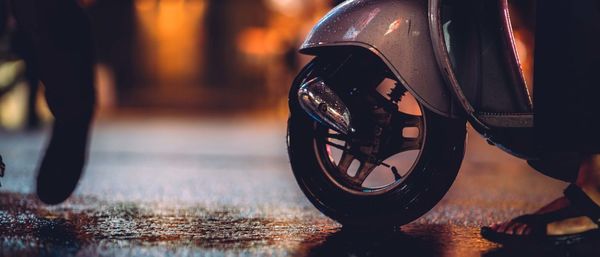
(398,32)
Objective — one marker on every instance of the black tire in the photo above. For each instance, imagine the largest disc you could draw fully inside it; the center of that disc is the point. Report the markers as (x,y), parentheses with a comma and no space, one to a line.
(430,178)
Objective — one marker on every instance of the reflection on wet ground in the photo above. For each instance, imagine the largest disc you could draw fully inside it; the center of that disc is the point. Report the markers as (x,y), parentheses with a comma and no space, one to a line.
(206,188)
(127,229)
(130,229)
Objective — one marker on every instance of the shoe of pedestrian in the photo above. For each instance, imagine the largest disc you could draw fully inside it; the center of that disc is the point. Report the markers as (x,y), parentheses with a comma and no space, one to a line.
(63,162)
(581,205)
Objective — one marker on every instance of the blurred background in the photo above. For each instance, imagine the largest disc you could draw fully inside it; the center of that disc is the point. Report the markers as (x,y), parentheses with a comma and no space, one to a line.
(183,56)
(189,142)
(200,57)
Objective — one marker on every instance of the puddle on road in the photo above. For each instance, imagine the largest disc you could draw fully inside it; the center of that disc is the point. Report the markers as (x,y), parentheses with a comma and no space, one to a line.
(89,227)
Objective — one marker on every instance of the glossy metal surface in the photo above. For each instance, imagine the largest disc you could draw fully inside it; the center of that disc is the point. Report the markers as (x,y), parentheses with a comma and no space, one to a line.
(321,103)
(395,30)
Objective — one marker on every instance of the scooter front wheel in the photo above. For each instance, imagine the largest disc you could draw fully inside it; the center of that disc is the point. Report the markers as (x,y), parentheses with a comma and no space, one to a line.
(392,171)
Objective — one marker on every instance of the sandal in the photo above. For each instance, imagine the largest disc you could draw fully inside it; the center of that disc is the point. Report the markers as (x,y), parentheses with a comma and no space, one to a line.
(581,205)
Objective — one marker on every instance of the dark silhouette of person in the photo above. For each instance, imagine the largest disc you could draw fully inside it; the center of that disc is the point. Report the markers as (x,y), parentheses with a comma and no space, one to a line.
(56,37)
(567,119)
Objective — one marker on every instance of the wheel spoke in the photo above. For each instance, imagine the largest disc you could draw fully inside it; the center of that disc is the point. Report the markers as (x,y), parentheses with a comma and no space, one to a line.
(345,162)
(363,172)
(408,120)
(338,146)
(409,144)
(401,132)
(337,136)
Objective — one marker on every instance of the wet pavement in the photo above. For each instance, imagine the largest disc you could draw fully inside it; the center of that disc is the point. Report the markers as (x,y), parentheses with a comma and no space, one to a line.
(209,187)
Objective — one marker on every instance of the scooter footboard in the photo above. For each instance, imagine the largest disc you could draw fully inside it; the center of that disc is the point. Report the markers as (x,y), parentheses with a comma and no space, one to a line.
(397,31)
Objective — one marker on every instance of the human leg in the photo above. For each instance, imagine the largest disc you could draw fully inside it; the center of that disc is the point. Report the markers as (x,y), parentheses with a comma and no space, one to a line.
(62,45)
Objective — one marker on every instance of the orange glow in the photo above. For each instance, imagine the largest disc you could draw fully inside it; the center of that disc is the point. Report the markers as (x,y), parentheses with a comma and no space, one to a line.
(286,25)
(290,7)
(524,45)
(259,41)
(523,25)
(172,36)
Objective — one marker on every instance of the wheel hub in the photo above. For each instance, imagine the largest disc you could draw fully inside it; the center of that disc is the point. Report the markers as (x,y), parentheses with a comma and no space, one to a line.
(377,135)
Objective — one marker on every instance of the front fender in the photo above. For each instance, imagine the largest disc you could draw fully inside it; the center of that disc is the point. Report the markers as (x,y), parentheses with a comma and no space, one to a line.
(397,31)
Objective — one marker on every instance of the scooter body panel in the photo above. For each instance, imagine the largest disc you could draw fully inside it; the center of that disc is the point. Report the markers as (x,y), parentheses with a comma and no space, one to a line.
(408,36)
(475,47)
(476,51)
(398,32)
(505,117)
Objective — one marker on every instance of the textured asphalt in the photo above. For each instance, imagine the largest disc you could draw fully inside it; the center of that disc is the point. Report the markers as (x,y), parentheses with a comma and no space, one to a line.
(160,186)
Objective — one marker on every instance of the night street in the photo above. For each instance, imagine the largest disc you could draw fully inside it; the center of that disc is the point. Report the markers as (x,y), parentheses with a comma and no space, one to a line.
(184,106)
(160,186)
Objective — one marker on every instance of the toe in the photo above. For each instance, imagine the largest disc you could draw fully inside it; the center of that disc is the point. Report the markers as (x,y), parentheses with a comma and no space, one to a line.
(503,227)
(510,229)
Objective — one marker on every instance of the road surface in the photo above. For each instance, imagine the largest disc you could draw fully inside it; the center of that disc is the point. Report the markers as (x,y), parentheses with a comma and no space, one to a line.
(160,186)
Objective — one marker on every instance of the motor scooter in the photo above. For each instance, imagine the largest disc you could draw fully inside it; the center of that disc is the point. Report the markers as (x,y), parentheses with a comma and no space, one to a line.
(377,126)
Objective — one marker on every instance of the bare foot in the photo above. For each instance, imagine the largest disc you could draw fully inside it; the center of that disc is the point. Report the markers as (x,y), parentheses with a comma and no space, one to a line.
(561,227)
